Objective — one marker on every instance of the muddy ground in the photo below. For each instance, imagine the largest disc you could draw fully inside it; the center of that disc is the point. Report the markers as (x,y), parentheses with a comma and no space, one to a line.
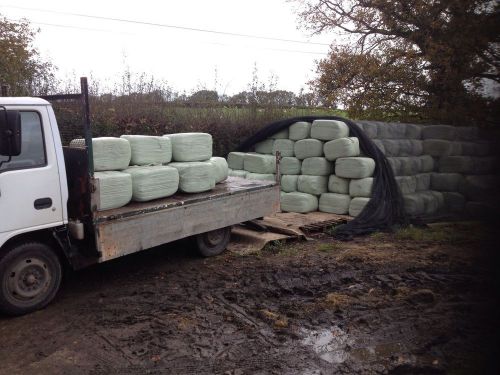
(415,302)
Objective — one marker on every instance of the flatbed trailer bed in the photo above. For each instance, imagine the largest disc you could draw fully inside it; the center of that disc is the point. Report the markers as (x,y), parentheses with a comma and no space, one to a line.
(140,226)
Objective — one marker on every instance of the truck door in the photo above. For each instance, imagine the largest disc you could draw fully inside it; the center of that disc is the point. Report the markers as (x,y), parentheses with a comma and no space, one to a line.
(30,192)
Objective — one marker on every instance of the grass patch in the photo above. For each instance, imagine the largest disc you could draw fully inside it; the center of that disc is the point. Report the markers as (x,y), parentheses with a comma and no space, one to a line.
(439,233)
(331,246)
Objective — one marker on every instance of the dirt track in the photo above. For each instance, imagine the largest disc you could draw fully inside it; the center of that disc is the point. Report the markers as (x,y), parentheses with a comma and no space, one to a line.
(381,304)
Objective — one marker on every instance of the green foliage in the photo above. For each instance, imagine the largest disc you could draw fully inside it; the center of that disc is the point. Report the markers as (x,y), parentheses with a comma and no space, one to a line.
(20,64)
(416,60)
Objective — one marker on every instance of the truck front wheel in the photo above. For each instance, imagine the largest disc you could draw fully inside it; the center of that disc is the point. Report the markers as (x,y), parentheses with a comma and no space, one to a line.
(214,242)
(30,276)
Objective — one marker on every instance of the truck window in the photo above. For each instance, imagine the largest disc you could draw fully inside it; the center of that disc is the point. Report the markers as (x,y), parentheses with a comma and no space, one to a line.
(32,144)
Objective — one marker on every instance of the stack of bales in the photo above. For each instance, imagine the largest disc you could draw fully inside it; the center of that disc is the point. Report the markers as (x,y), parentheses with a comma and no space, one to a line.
(143,168)
(321,167)
(439,168)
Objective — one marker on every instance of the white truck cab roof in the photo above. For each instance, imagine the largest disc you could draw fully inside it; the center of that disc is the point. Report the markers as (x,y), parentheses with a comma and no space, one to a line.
(5,100)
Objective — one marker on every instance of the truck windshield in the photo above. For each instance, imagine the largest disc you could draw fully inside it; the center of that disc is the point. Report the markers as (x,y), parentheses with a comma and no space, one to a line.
(32,144)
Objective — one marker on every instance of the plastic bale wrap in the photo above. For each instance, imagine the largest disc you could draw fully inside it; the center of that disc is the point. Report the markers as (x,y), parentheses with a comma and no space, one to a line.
(326,130)
(405,147)
(299,202)
(391,147)
(446,181)
(147,149)
(395,164)
(368,127)
(153,182)
(409,165)
(467,133)
(361,187)
(354,167)
(237,173)
(485,165)
(289,183)
(413,131)
(391,130)
(380,145)
(265,147)
(439,199)
(454,202)
(357,205)
(485,148)
(437,147)
(111,153)
(290,165)
(284,146)
(446,132)
(341,148)
(456,164)
(481,187)
(263,164)
(316,166)
(261,176)
(469,149)
(456,148)
(235,160)
(308,148)
(334,203)
(282,134)
(115,189)
(338,185)
(417,147)
(221,168)
(414,204)
(427,163)
(188,147)
(315,185)
(407,184)
(195,177)
(431,203)
(299,130)
(423,181)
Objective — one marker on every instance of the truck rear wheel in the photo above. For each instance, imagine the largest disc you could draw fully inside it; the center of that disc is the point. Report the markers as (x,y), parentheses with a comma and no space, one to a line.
(214,242)
(30,276)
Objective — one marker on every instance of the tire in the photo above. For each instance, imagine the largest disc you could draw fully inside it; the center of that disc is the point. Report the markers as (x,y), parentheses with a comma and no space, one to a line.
(30,276)
(214,242)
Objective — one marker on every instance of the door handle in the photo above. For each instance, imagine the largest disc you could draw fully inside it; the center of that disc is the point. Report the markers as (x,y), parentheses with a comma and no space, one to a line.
(43,203)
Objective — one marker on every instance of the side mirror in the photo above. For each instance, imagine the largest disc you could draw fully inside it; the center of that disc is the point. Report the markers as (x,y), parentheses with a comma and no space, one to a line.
(10,133)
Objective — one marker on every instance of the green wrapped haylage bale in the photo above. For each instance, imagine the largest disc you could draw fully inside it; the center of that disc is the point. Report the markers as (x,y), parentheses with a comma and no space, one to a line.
(423,181)
(109,153)
(446,181)
(115,189)
(341,148)
(221,168)
(195,176)
(235,160)
(147,149)
(290,165)
(407,184)
(316,166)
(315,185)
(361,187)
(284,146)
(299,202)
(265,146)
(191,146)
(326,130)
(354,167)
(299,130)
(289,183)
(308,148)
(456,164)
(338,185)
(261,176)
(153,182)
(334,203)
(237,173)
(357,205)
(454,202)
(282,134)
(257,163)
(413,204)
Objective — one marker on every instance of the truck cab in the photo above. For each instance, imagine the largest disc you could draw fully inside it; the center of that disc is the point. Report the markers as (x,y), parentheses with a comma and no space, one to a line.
(48,216)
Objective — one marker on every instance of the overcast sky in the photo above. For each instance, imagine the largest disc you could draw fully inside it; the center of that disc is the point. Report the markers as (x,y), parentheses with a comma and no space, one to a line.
(186,59)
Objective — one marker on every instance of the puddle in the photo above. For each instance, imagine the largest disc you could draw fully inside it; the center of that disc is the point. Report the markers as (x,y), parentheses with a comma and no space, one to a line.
(330,344)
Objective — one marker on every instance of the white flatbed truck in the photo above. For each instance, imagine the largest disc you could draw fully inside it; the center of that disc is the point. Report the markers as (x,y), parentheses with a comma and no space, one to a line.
(48,215)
